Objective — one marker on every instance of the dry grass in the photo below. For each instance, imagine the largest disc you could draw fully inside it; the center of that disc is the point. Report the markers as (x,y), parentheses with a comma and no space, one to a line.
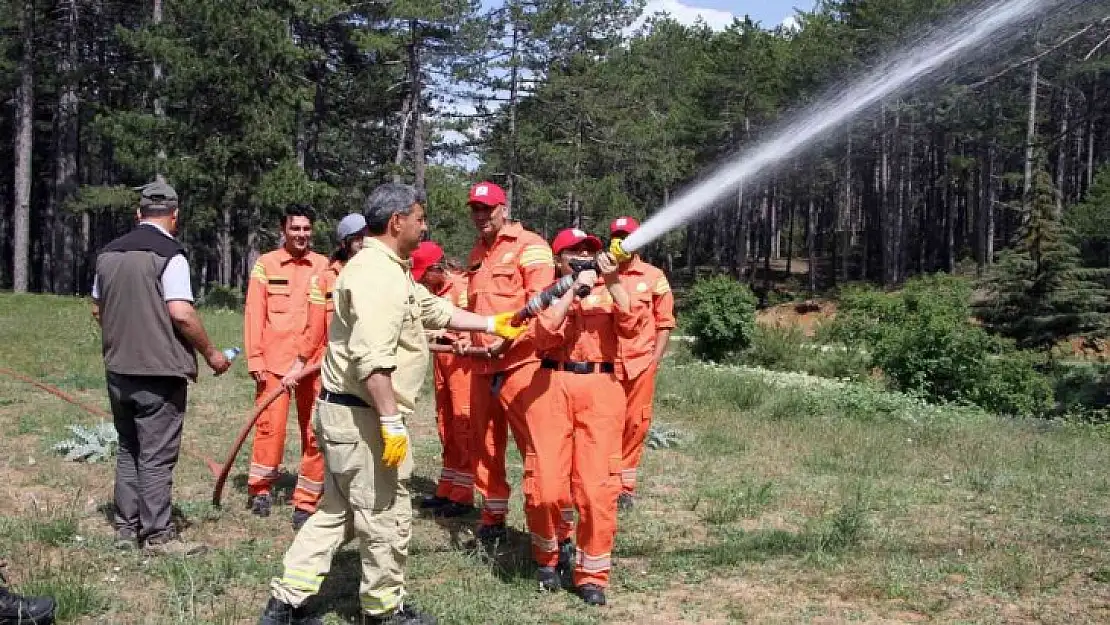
(778,507)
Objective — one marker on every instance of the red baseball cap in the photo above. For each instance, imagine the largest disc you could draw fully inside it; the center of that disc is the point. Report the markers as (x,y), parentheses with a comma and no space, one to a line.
(424,256)
(486,194)
(572,237)
(623,225)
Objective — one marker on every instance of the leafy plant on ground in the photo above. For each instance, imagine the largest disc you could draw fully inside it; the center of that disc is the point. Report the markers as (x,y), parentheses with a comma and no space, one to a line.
(92,443)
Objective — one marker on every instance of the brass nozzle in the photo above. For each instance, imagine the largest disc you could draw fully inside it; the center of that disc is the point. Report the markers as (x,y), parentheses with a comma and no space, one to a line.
(617,250)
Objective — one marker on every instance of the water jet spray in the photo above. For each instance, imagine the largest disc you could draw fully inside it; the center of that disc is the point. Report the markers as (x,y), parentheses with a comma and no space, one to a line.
(963,35)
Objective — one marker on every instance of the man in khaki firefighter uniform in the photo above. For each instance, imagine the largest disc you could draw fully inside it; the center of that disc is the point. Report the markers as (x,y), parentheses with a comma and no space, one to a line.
(374,366)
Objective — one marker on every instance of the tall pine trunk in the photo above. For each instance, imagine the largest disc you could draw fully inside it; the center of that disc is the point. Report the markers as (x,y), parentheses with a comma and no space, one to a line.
(1030,139)
(159,111)
(65,163)
(24,138)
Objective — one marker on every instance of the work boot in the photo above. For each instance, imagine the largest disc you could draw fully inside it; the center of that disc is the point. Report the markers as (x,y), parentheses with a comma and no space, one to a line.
(625,502)
(592,594)
(491,535)
(125,540)
(453,509)
(299,518)
(403,616)
(565,567)
(261,505)
(280,613)
(434,503)
(549,578)
(17,609)
(172,545)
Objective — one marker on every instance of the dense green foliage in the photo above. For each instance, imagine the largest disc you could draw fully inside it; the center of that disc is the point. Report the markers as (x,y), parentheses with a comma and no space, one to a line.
(720,314)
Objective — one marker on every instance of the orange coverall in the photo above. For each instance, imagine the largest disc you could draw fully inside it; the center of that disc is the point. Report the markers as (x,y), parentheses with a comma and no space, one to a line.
(451,374)
(503,277)
(275,324)
(648,285)
(575,461)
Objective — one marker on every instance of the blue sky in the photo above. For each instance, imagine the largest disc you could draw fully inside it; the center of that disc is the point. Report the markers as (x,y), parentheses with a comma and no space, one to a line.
(769,12)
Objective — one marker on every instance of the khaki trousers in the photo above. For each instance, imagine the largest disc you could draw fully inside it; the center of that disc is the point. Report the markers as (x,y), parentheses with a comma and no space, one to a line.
(361,495)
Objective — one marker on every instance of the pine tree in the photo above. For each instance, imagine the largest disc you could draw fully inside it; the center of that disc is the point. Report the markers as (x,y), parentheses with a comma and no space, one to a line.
(1039,293)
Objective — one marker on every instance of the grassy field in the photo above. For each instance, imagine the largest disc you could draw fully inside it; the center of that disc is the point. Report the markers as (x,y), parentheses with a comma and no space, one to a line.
(789,499)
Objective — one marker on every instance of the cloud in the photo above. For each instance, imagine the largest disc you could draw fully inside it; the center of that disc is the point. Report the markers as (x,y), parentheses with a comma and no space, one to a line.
(684,14)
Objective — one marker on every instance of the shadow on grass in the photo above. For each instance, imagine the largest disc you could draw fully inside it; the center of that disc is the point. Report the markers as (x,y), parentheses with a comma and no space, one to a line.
(281,489)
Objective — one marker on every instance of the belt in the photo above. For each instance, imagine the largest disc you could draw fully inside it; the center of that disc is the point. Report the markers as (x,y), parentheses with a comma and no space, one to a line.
(578,367)
(342,399)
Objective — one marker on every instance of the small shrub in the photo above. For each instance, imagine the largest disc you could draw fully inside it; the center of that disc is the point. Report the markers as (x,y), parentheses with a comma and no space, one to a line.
(721,316)
(92,444)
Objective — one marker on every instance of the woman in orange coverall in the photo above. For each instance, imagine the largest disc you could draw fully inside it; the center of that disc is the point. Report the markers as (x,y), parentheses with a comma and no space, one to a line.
(576,463)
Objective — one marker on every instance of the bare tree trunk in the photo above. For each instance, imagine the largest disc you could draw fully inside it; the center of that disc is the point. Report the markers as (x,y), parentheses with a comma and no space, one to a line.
(65,166)
(159,111)
(1091,144)
(83,281)
(399,159)
(514,95)
(418,156)
(24,137)
(743,233)
(811,242)
(223,241)
(1030,138)
(1061,162)
(845,216)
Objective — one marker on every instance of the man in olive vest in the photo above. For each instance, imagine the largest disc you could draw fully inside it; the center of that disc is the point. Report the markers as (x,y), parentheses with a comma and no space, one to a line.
(143,300)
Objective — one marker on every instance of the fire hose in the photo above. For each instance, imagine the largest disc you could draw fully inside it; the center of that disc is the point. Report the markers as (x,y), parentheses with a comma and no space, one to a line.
(212,465)
(244,432)
(546,297)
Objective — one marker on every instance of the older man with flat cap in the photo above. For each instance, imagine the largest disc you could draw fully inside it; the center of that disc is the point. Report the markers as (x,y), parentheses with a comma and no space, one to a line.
(143,300)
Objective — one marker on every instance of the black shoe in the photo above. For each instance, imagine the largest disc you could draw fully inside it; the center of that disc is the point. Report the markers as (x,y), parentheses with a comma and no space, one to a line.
(566,563)
(490,535)
(261,505)
(626,502)
(434,503)
(549,578)
(299,518)
(592,594)
(278,613)
(125,540)
(25,610)
(453,509)
(404,616)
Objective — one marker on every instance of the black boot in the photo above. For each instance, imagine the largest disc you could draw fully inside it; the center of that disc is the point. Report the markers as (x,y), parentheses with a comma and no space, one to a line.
(492,535)
(279,613)
(17,609)
(433,503)
(404,616)
(592,594)
(626,502)
(548,578)
(262,504)
(299,518)
(566,562)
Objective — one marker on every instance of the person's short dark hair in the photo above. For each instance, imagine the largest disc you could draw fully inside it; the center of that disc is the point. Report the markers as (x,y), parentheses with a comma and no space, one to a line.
(298,210)
(388,200)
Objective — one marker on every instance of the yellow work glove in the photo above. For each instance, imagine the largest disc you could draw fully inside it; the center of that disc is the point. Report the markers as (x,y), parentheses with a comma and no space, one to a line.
(396,439)
(501,325)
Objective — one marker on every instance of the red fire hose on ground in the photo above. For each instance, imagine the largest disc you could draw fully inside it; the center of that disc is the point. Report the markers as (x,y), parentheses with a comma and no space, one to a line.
(212,465)
(220,471)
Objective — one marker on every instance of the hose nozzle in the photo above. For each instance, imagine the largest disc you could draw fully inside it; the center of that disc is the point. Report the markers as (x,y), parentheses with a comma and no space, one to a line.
(616,248)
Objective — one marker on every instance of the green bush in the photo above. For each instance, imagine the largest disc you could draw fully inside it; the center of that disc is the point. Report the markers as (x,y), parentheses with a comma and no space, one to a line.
(925,343)
(720,313)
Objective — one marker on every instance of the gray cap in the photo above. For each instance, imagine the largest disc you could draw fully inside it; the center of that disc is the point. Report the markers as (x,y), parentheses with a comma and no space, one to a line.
(156,193)
(350,225)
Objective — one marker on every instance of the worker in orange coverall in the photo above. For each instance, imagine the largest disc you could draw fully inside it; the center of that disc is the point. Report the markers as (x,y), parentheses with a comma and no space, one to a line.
(647,284)
(454,494)
(351,232)
(507,267)
(576,432)
(275,321)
